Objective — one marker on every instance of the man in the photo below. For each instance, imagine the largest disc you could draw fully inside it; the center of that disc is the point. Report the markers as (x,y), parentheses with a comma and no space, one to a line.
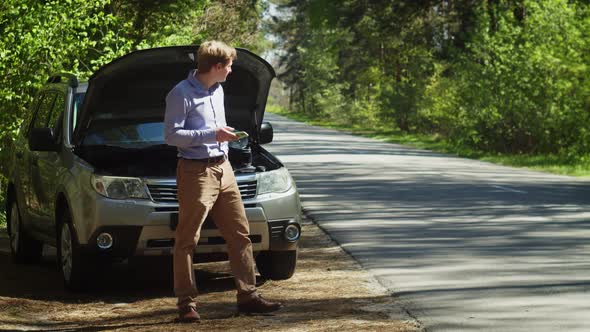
(195,124)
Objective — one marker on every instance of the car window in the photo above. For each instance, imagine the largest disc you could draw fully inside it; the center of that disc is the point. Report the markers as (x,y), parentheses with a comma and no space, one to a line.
(56,116)
(44,111)
(78,99)
(125,133)
(30,113)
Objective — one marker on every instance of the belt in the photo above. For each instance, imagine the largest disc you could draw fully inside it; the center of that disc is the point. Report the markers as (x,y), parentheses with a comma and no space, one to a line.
(211,160)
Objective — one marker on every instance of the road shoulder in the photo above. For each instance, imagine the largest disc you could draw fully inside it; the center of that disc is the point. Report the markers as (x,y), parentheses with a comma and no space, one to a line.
(329,291)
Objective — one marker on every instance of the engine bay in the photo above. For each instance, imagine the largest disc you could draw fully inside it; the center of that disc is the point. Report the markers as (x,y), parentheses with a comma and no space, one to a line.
(161,160)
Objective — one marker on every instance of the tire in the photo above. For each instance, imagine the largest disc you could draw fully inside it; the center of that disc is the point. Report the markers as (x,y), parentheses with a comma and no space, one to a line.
(276,265)
(23,247)
(74,267)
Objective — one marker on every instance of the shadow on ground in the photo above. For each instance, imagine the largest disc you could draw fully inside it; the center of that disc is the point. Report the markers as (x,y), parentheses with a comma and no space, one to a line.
(131,282)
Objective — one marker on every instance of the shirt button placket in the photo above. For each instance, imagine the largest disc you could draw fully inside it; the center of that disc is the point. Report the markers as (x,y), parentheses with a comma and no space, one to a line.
(214,115)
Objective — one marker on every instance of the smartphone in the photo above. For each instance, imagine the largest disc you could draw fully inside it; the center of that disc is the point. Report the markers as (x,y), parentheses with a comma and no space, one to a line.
(241,134)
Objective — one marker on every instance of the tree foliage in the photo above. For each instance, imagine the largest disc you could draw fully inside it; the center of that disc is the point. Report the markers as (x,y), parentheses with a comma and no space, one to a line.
(497,75)
(41,37)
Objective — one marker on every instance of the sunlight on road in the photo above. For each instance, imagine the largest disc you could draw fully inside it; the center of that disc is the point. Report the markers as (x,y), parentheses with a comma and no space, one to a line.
(465,243)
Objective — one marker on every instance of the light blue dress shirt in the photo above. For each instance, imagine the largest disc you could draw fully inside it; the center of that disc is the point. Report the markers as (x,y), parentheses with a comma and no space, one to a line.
(192,114)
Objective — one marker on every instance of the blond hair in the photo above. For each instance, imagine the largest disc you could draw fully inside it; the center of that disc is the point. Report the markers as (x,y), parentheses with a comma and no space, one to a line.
(213,52)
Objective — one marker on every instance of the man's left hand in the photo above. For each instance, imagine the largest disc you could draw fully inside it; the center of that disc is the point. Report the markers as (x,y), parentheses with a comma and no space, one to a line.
(225,134)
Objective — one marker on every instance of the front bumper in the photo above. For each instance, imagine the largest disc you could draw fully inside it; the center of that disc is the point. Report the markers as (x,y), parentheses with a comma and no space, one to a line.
(146,228)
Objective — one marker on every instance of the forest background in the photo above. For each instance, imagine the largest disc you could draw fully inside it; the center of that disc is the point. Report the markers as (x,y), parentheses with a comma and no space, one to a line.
(500,77)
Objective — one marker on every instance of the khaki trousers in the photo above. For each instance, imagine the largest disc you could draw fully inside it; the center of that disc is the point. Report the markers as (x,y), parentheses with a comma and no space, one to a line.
(211,189)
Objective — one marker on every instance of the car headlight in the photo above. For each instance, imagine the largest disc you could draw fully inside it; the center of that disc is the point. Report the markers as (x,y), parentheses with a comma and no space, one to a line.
(276,181)
(119,187)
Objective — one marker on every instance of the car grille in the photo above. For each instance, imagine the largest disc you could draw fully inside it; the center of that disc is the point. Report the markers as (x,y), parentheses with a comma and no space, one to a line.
(248,189)
(168,193)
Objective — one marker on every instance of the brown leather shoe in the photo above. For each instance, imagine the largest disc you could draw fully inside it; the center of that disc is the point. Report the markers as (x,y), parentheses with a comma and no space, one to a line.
(188,314)
(258,305)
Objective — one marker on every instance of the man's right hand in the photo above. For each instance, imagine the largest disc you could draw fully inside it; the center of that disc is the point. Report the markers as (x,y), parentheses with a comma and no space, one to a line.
(225,134)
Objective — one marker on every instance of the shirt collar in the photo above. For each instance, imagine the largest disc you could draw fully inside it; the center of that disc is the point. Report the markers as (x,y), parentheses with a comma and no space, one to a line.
(196,84)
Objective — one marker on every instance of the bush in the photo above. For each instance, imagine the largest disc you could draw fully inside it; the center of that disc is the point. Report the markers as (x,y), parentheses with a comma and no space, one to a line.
(521,87)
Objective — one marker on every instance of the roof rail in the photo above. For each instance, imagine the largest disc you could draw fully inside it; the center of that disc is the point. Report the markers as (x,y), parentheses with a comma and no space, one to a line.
(57,78)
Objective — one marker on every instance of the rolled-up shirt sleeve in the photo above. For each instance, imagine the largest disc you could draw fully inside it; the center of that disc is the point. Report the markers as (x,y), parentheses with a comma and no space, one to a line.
(174,124)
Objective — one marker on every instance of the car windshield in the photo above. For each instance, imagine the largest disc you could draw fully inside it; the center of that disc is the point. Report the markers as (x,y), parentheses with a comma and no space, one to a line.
(125,133)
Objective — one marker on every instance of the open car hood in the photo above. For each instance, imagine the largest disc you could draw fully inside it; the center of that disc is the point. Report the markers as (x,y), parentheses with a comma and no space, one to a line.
(135,86)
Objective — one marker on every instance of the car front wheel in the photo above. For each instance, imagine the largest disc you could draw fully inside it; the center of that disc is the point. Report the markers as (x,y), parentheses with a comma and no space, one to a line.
(276,265)
(74,268)
(23,247)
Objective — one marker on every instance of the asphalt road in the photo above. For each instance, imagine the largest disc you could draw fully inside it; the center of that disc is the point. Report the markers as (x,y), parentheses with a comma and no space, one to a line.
(464,245)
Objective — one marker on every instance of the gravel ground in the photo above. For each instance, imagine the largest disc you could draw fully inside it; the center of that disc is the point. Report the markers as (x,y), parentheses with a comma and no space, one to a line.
(328,292)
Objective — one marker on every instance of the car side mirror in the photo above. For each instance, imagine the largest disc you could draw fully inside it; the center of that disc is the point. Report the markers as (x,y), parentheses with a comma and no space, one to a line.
(266,133)
(42,139)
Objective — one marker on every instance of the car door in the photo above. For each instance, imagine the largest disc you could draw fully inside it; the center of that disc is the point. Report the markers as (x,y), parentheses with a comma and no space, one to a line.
(37,194)
(49,167)
(21,162)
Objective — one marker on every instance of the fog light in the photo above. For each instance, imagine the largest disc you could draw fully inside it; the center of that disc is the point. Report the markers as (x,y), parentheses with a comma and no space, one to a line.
(292,233)
(104,241)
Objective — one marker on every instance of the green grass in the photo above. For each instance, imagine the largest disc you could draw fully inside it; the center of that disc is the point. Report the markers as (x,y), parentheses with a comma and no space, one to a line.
(544,163)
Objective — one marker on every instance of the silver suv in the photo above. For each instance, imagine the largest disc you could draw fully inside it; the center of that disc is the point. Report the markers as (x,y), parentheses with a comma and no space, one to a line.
(90,173)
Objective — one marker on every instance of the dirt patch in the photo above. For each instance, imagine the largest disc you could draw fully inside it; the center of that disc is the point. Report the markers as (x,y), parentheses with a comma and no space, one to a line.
(328,292)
